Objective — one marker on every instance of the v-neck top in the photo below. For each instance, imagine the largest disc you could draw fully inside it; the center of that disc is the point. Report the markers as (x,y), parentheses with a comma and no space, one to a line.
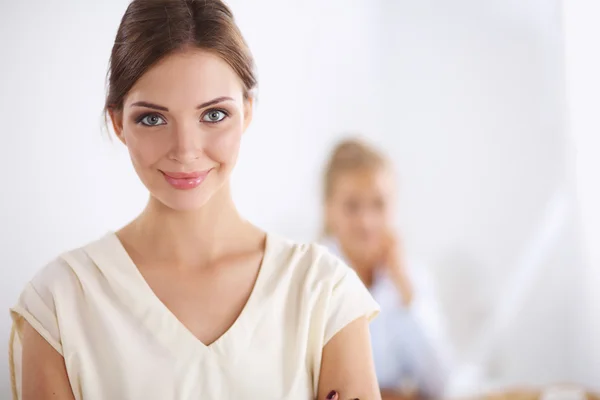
(119,341)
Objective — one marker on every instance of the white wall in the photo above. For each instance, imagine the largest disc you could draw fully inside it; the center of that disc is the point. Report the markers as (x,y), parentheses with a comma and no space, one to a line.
(318,76)
(465,96)
(583,85)
(475,104)
(475,107)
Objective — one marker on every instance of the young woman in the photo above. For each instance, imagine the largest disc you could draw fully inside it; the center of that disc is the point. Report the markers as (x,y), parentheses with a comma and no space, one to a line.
(189,300)
(359,198)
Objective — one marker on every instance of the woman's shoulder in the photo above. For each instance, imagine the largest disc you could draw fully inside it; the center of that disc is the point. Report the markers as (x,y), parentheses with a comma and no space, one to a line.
(310,261)
(311,272)
(68,269)
(311,254)
(52,294)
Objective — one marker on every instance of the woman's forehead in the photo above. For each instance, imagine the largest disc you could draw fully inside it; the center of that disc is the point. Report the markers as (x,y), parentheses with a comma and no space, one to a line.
(187,78)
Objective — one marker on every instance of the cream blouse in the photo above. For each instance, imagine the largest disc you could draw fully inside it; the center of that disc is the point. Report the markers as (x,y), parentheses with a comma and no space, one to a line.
(119,341)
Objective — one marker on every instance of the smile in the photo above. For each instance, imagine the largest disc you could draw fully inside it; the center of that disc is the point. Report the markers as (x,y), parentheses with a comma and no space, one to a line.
(185,180)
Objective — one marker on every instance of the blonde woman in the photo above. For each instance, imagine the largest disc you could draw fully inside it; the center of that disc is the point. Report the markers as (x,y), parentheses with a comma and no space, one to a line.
(359,193)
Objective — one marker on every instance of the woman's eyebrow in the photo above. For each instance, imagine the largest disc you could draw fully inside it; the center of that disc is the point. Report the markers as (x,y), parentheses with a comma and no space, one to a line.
(163,108)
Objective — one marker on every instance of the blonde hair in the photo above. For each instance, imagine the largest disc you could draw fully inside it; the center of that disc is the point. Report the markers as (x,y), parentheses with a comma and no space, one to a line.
(350,155)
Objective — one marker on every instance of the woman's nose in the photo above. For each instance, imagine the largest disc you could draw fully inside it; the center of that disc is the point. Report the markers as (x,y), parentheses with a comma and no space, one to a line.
(368,221)
(187,146)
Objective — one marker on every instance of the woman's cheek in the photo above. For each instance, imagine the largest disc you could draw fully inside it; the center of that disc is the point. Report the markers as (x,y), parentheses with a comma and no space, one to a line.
(146,148)
(224,146)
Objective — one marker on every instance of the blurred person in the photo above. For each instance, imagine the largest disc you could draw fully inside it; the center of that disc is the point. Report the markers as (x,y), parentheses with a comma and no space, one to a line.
(189,300)
(359,194)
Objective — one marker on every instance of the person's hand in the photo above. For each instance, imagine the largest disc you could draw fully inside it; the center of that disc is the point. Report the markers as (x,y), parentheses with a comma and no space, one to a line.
(392,261)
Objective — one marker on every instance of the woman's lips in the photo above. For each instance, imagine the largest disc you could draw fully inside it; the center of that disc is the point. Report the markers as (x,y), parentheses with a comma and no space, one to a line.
(185,180)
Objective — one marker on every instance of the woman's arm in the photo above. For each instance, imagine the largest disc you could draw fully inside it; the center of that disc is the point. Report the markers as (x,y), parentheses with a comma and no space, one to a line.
(347,364)
(44,372)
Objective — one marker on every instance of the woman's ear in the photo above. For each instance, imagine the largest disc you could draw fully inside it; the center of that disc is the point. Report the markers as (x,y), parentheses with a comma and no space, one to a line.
(116,118)
(248,111)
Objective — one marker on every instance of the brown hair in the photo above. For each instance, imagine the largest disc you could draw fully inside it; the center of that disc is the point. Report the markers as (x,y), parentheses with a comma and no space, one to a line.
(153,29)
(350,155)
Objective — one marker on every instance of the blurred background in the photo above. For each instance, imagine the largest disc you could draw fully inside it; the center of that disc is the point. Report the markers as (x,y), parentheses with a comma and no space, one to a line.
(484,107)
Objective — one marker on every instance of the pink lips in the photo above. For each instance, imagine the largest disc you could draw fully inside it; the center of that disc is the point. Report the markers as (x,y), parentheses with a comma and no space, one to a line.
(185,180)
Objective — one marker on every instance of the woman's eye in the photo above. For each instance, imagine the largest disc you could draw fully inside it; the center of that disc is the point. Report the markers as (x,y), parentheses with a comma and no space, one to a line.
(152,120)
(214,116)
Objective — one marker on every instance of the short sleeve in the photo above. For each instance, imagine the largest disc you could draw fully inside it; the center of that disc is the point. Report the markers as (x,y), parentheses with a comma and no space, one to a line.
(39,311)
(349,301)
(35,307)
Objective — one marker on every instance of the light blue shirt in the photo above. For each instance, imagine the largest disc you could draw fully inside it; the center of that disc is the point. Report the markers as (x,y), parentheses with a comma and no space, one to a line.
(404,351)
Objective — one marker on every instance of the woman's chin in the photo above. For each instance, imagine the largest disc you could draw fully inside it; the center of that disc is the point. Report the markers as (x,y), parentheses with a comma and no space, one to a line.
(184,202)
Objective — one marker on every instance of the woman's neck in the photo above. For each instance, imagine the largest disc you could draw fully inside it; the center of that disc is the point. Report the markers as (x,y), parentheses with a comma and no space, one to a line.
(367,276)
(364,267)
(188,238)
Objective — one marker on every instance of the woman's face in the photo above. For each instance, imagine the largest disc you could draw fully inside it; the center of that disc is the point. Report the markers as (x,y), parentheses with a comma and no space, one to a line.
(359,210)
(182,123)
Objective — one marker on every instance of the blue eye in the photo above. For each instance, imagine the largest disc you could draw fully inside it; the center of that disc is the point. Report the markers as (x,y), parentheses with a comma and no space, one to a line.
(151,120)
(214,116)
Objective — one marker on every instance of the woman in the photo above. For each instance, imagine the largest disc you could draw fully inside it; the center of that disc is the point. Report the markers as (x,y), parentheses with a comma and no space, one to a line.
(189,300)
(359,197)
